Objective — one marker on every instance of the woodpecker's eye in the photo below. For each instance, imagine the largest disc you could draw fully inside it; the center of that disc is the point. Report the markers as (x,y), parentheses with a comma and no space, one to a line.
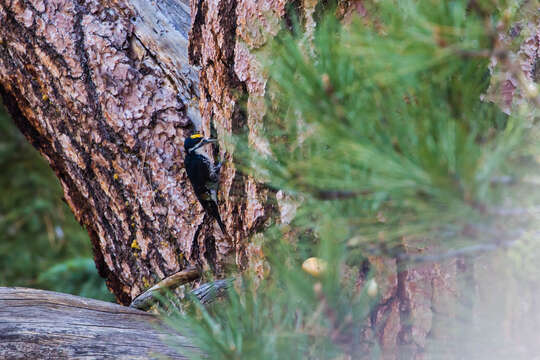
(192,141)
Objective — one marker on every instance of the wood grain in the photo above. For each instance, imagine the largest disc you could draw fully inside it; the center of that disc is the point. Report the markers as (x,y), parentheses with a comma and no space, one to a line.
(38,324)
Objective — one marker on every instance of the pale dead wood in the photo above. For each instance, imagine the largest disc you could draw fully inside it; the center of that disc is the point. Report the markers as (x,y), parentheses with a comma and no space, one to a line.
(205,294)
(147,298)
(38,324)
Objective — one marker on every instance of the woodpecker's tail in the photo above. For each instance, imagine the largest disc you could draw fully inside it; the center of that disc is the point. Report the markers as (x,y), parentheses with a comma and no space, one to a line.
(212,209)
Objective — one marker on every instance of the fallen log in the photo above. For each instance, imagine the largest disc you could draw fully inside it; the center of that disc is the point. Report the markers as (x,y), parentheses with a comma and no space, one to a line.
(39,324)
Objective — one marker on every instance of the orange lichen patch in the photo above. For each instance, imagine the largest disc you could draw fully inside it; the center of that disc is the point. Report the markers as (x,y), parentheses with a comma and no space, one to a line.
(135,245)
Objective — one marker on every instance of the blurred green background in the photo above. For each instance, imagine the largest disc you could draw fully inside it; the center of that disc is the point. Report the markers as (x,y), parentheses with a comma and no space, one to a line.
(42,245)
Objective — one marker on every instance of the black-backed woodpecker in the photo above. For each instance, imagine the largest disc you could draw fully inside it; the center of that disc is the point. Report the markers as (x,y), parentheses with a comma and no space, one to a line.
(203,175)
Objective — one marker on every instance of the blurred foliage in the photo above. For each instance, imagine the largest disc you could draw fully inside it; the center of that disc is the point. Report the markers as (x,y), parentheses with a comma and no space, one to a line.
(377,134)
(42,244)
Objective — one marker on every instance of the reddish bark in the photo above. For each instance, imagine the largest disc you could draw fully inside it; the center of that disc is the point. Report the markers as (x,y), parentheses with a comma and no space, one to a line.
(105,113)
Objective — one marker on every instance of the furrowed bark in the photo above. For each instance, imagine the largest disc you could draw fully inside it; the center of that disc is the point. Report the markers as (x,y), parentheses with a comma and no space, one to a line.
(232,88)
(104,91)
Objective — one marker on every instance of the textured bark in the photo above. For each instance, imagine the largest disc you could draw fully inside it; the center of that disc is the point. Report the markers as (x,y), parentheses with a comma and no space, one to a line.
(37,324)
(225,39)
(232,90)
(418,302)
(103,91)
(508,85)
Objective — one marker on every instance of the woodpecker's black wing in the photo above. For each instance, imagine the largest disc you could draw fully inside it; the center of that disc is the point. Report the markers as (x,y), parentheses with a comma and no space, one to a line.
(204,180)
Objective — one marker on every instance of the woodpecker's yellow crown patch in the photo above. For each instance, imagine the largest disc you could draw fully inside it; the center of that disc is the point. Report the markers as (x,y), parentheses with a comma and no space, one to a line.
(195,136)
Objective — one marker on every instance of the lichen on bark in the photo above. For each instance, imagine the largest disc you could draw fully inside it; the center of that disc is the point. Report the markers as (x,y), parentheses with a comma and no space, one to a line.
(94,100)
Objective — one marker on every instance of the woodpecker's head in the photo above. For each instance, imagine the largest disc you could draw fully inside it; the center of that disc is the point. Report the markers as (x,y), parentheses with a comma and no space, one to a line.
(195,142)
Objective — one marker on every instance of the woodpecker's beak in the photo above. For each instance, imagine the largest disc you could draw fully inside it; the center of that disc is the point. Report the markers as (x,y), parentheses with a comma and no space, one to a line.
(208,141)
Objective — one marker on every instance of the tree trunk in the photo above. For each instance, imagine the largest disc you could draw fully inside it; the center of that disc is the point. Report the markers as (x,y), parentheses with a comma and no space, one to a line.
(105,91)
(39,324)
